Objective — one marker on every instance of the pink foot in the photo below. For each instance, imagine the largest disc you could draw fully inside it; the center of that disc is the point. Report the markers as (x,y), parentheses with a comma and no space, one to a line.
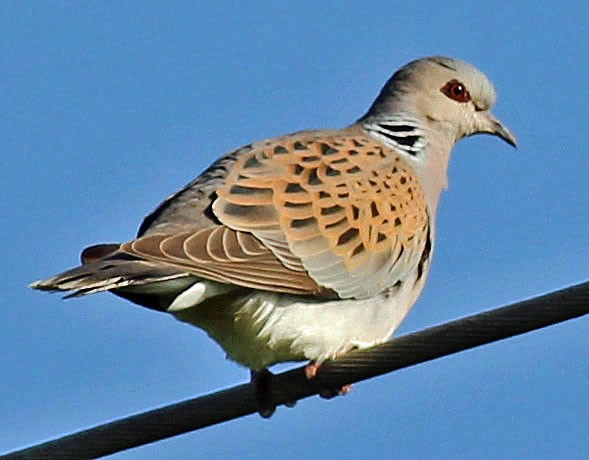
(311,370)
(327,393)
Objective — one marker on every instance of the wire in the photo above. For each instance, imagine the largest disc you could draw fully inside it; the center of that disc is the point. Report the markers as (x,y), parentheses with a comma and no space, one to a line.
(293,385)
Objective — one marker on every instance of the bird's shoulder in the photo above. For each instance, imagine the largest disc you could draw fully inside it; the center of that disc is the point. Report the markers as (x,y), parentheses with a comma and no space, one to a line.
(191,205)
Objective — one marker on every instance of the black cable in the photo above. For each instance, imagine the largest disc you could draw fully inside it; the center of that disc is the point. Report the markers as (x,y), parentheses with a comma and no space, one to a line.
(292,385)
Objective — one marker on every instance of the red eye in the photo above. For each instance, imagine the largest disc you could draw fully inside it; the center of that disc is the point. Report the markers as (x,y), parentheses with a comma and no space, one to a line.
(456,90)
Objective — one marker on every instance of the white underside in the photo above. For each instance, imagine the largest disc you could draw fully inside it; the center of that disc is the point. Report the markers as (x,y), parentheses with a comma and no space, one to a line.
(264,328)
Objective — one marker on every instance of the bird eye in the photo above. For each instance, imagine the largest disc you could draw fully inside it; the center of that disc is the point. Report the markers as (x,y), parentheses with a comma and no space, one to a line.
(456,91)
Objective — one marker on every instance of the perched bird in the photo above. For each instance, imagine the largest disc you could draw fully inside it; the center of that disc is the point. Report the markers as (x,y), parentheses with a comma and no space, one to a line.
(305,246)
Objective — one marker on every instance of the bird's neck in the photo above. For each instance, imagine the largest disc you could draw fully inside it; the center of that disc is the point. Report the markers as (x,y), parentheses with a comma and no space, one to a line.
(427,149)
(401,132)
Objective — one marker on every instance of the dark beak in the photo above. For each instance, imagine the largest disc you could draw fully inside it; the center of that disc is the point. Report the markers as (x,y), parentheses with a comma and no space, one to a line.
(495,127)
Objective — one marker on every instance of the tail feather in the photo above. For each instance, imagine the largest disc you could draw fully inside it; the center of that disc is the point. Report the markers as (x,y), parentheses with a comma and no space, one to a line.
(153,285)
(104,269)
(98,251)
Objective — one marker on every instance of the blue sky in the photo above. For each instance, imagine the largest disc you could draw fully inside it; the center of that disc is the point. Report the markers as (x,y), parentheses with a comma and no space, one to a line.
(108,107)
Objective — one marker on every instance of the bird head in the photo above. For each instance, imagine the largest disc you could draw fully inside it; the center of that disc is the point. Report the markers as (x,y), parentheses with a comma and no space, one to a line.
(445,94)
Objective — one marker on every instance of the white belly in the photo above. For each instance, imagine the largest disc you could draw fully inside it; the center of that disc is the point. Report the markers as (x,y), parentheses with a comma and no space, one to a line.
(264,328)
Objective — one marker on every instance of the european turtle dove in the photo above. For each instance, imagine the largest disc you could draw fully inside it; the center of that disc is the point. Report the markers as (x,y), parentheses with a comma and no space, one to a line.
(305,246)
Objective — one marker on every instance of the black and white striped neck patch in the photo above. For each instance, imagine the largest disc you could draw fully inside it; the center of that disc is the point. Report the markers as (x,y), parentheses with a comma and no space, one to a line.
(402,133)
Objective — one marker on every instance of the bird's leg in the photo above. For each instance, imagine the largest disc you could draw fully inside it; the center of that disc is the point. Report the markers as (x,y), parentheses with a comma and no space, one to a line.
(262,381)
(327,393)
